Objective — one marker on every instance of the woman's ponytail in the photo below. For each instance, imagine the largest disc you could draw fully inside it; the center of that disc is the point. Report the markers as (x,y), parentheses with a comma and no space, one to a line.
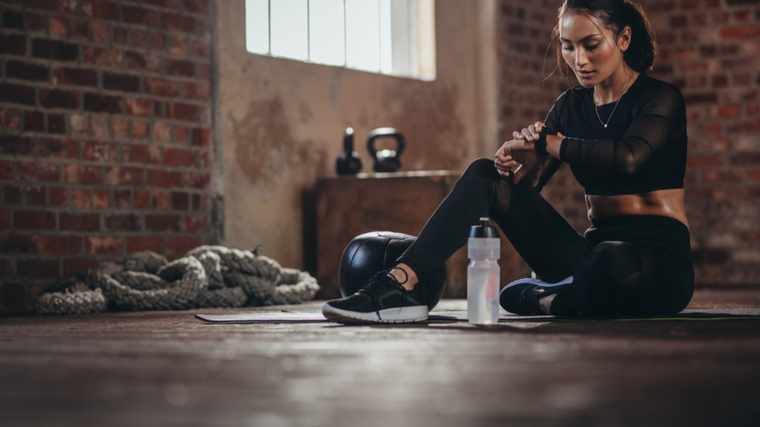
(642,51)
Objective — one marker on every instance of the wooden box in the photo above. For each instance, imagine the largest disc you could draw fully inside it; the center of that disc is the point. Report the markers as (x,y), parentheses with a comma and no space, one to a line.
(346,207)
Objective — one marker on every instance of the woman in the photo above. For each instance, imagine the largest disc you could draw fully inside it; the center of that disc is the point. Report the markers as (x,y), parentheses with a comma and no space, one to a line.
(624,135)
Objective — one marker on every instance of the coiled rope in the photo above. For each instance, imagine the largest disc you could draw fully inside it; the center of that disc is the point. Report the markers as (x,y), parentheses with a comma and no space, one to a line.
(208,276)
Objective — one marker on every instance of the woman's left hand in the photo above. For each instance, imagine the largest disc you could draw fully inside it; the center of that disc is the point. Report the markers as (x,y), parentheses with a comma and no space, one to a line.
(517,157)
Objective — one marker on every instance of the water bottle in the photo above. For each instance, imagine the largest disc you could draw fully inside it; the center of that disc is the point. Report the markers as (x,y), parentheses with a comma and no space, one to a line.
(483,249)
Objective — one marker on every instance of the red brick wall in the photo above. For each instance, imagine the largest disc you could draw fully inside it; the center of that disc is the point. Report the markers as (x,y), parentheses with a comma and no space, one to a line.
(105,143)
(528,91)
(711,50)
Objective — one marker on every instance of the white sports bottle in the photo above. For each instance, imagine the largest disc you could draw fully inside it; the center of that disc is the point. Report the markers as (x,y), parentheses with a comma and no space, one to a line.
(483,249)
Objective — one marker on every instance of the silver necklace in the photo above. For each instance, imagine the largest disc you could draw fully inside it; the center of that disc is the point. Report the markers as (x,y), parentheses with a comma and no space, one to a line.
(596,107)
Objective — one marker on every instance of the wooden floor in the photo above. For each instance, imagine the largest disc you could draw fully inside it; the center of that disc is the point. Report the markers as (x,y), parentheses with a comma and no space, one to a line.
(169,369)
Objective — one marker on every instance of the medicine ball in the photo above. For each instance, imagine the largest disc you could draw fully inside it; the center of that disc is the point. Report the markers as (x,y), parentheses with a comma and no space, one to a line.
(371,252)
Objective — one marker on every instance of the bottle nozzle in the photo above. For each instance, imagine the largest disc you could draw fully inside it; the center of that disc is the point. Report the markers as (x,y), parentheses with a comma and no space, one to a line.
(484,229)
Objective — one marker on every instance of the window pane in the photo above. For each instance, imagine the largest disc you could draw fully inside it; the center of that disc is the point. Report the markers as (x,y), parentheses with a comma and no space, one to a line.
(327,36)
(386,54)
(289,22)
(426,39)
(363,34)
(257,26)
(388,36)
(403,38)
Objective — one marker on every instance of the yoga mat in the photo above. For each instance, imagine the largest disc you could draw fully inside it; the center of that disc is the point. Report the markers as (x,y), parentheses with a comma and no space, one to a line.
(453,316)
(262,317)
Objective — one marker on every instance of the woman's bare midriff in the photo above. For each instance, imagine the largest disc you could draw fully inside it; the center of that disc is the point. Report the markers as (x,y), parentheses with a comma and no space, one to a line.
(661,202)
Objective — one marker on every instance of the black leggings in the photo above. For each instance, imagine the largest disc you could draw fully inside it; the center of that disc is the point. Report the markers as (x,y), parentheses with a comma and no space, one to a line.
(636,264)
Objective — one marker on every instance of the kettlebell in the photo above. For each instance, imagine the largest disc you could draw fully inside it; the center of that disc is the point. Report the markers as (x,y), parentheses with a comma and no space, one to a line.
(386,160)
(349,162)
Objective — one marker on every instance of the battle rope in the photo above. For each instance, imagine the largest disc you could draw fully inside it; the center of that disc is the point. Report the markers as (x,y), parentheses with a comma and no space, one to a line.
(208,276)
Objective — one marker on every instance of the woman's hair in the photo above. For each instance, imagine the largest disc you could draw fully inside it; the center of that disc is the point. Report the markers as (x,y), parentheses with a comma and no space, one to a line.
(615,15)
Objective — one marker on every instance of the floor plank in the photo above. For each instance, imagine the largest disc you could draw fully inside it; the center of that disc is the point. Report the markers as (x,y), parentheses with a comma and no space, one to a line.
(167,368)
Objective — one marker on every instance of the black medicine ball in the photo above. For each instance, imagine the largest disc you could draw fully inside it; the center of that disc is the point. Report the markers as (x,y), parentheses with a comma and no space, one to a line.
(371,252)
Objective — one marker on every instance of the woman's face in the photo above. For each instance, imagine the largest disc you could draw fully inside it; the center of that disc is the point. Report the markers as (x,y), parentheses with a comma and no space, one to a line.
(591,49)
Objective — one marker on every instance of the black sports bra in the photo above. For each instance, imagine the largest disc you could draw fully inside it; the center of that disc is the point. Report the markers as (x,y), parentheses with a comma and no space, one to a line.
(642,149)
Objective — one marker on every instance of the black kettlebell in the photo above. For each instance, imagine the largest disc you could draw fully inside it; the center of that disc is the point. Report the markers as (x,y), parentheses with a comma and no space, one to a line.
(386,160)
(349,162)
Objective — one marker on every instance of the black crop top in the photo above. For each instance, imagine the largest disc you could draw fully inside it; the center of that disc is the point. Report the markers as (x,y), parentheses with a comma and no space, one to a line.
(643,148)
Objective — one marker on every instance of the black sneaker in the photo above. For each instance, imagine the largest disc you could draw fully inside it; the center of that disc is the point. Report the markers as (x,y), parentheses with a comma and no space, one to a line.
(523,296)
(381,300)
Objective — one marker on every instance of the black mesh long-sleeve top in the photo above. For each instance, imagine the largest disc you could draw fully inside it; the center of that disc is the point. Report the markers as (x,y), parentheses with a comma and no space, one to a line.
(642,149)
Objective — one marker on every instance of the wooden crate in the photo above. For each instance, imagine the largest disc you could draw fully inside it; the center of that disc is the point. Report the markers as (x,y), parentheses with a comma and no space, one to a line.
(346,207)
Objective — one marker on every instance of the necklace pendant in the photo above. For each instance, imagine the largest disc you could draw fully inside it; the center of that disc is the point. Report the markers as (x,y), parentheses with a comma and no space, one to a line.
(605,126)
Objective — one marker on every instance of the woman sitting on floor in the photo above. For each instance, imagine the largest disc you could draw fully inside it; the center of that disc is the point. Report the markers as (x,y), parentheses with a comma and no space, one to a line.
(623,134)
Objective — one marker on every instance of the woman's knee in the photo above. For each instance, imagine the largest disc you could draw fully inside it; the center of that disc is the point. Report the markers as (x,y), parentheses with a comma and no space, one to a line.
(480,174)
(482,167)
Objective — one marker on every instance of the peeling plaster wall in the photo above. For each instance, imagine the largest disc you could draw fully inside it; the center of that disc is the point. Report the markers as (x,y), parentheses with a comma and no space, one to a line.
(283,120)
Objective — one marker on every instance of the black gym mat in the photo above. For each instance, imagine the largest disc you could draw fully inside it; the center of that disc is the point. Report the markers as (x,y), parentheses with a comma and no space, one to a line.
(455,316)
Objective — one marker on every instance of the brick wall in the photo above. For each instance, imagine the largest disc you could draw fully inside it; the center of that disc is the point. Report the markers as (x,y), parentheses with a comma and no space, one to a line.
(105,143)
(528,91)
(711,50)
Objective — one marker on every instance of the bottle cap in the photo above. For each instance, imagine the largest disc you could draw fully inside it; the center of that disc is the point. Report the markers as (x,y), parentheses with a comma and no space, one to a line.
(484,230)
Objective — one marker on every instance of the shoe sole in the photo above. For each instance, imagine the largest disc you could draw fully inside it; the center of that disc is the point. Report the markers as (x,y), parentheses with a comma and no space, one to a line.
(543,284)
(418,313)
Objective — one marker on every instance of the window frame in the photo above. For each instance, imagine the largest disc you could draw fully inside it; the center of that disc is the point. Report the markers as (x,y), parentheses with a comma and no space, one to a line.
(411,39)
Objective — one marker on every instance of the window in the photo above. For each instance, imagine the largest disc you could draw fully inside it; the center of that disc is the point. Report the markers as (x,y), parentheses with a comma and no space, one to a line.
(387,36)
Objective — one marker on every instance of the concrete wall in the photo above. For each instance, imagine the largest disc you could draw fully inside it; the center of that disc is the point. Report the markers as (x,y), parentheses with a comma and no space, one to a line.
(283,120)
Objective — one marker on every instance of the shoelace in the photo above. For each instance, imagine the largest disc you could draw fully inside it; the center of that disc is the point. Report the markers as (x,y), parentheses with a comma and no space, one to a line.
(378,277)
(530,298)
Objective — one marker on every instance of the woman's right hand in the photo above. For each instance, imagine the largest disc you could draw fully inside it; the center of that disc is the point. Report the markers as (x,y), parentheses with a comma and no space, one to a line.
(518,156)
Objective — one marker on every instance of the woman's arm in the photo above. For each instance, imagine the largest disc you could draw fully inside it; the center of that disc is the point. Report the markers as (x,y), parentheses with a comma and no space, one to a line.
(661,118)
(553,121)
(550,167)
